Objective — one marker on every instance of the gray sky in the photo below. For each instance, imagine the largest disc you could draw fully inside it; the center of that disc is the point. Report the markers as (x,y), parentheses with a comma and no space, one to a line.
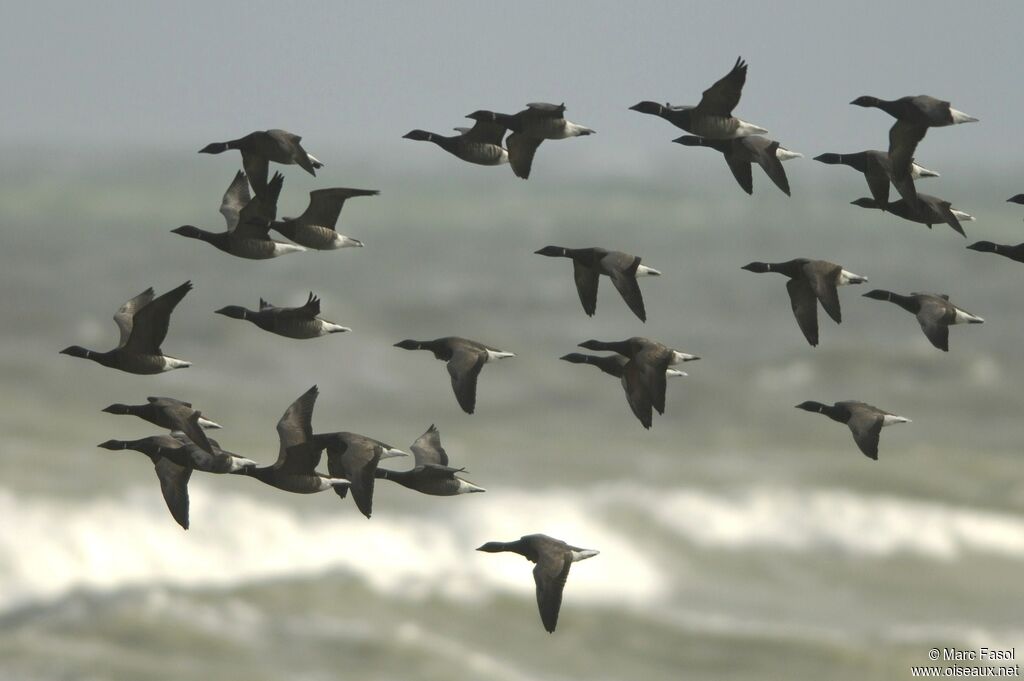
(356,76)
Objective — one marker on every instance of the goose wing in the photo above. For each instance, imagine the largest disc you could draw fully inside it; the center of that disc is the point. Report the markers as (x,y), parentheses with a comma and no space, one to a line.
(930,318)
(354,458)
(125,315)
(464,368)
(255,218)
(587,280)
(521,149)
(622,269)
(149,323)
(866,425)
(821,277)
(325,205)
(298,453)
(651,364)
(878,177)
(549,575)
(805,308)
(903,140)
(768,159)
(740,168)
(428,450)
(256,167)
(637,394)
(174,486)
(235,199)
(722,97)
(485,132)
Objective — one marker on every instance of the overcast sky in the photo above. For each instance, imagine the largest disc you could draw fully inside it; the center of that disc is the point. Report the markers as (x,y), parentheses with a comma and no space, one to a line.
(357,76)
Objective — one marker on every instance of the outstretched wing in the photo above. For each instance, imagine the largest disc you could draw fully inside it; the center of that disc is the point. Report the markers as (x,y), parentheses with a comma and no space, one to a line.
(550,576)
(295,430)
(235,199)
(521,149)
(125,314)
(255,218)
(325,205)
(903,140)
(587,280)
(428,450)
(822,280)
(805,308)
(149,325)
(464,368)
(768,159)
(866,426)
(485,132)
(174,486)
(722,97)
(624,280)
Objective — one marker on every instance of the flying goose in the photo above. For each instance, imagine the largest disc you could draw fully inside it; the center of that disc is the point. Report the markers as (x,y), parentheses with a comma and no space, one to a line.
(865,422)
(741,152)
(877,170)
(622,268)
(810,281)
(169,414)
(914,115)
(260,147)
(637,395)
(315,228)
(291,322)
(248,222)
(480,144)
(355,457)
(299,454)
(465,359)
(1016,198)
(928,210)
(712,117)
(430,473)
(1011,252)
(934,313)
(174,459)
(650,359)
(539,121)
(143,322)
(553,558)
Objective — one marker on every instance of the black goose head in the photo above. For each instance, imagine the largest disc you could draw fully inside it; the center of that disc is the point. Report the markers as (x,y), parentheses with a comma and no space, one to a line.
(553,252)
(866,101)
(233,311)
(576,358)
(191,231)
(118,408)
(1019,198)
(648,107)
(878,294)
(409,345)
(114,445)
(483,115)
(811,405)
(983,246)
(865,202)
(759,267)
(78,351)
(830,158)
(419,135)
(214,148)
(494,547)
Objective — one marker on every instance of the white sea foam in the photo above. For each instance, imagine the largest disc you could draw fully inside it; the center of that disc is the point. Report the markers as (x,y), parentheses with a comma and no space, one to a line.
(50,547)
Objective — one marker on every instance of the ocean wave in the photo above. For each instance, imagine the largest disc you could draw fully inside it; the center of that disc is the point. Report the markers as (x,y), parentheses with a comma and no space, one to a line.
(50,547)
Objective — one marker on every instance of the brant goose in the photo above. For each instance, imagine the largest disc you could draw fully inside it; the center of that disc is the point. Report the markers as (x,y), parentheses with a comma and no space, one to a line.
(928,210)
(1011,252)
(248,222)
(934,313)
(315,227)
(261,147)
(712,117)
(914,115)
(169,414)
(295,469)
(480,144)
(465,359)
(174,458)
(1016,198)
(649,359)
(877,170)
(553,558)
(810,281)
(622,268)
(291,322)
(865,422)
(741,152)
(143,322)
(355,457)
(539,121)
(618,366)
(431,473)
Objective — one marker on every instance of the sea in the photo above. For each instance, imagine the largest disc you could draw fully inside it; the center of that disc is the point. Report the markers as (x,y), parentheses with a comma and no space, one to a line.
(739,538)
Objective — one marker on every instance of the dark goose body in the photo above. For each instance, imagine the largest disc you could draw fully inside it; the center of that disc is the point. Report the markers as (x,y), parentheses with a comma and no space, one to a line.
(465,359)
(741,152)
(354,457)
(651,360)
(934,313)
(480,144)
(622,268)
(143,322)
(928,210)
(553,558)
(877,170)
(431,473)
(170,414)
(865,421)
(260,148)
(1005,250)
(315,228)
(292,322)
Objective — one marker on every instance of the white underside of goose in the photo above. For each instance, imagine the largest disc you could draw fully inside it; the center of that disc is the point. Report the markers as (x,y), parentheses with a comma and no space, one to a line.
(583,554)
(786,154)
(330,483)
(961,117)
(465,487)
(172,363)
(892,419)
(331,327)
(846,278)
(645,271)
(964,317)
(917,172)
(960,215)
(745,129)
(284,249)
(680,357)
(208,424)
(498,354)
